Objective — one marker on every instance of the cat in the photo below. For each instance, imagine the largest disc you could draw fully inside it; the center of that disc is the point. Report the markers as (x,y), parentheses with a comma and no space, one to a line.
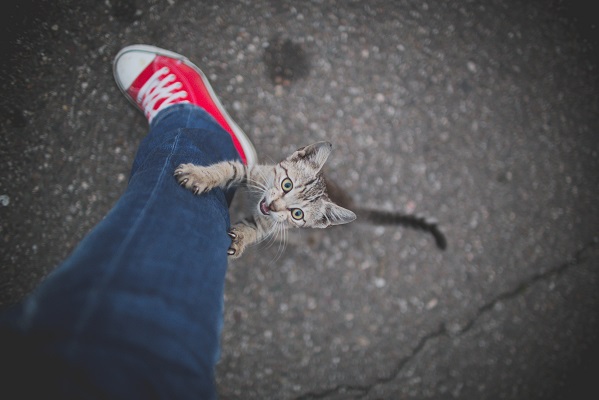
(383,217)
(292,193)
(298,181)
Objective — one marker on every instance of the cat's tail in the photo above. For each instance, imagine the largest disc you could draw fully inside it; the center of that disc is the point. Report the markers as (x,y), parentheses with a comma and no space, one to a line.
(379,217)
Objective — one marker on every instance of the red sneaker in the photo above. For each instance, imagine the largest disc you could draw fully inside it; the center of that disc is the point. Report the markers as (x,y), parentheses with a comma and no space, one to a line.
(153,79)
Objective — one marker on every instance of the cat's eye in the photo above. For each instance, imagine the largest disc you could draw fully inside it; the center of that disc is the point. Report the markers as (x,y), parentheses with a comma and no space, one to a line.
(286,185)
(296,213)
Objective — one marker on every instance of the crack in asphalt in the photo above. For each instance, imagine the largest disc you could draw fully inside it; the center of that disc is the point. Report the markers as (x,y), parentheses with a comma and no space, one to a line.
(362,390)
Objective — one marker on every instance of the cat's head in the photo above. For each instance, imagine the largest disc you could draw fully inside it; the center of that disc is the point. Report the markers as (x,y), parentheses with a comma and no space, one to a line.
(297,194)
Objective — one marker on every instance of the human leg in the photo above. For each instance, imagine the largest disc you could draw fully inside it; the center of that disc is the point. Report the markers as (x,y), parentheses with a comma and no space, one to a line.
(136,310)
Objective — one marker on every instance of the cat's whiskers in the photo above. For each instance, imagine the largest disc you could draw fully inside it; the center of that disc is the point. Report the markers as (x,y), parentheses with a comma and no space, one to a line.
(278,230)
(257,186)
(269,238)
(282,242)
(257,182)
(265,181)
(277,233)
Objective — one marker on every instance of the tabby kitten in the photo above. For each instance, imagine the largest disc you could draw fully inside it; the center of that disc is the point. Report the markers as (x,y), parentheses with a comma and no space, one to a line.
(292,194)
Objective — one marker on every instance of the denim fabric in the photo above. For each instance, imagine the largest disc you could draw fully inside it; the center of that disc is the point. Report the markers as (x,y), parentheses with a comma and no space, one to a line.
(135,312)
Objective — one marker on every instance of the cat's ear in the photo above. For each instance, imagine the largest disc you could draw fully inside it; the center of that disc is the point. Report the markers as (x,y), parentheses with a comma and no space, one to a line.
(335,215)
(316,153)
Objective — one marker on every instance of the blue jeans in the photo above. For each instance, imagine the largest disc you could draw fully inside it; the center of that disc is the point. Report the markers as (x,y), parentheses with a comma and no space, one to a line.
(136,311)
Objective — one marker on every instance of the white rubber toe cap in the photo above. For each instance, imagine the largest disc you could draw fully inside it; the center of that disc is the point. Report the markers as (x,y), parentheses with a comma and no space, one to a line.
(130,65)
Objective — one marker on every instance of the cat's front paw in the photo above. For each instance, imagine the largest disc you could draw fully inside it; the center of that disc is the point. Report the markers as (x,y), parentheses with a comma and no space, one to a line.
(194,178)
(241,235)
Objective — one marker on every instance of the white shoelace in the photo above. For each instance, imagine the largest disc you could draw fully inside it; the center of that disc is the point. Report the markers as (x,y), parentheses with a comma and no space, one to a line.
(160,87)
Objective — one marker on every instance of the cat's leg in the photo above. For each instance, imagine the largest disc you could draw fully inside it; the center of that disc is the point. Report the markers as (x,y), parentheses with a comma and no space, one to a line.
(202,179)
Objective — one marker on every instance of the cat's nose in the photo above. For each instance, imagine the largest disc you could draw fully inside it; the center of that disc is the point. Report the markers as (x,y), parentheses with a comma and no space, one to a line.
(276,205)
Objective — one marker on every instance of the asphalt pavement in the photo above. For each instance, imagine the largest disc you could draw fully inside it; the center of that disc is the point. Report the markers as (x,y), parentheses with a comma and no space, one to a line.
(482,114)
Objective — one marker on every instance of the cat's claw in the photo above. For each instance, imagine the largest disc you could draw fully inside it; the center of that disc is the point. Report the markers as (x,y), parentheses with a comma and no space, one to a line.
(231,235)
(231,252)
(193,178)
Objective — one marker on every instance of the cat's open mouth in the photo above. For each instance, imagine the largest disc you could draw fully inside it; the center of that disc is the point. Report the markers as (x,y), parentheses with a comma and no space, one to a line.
(263,207)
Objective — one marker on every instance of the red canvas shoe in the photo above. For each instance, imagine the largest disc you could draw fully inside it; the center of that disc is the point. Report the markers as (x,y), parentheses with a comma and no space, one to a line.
(153,79)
